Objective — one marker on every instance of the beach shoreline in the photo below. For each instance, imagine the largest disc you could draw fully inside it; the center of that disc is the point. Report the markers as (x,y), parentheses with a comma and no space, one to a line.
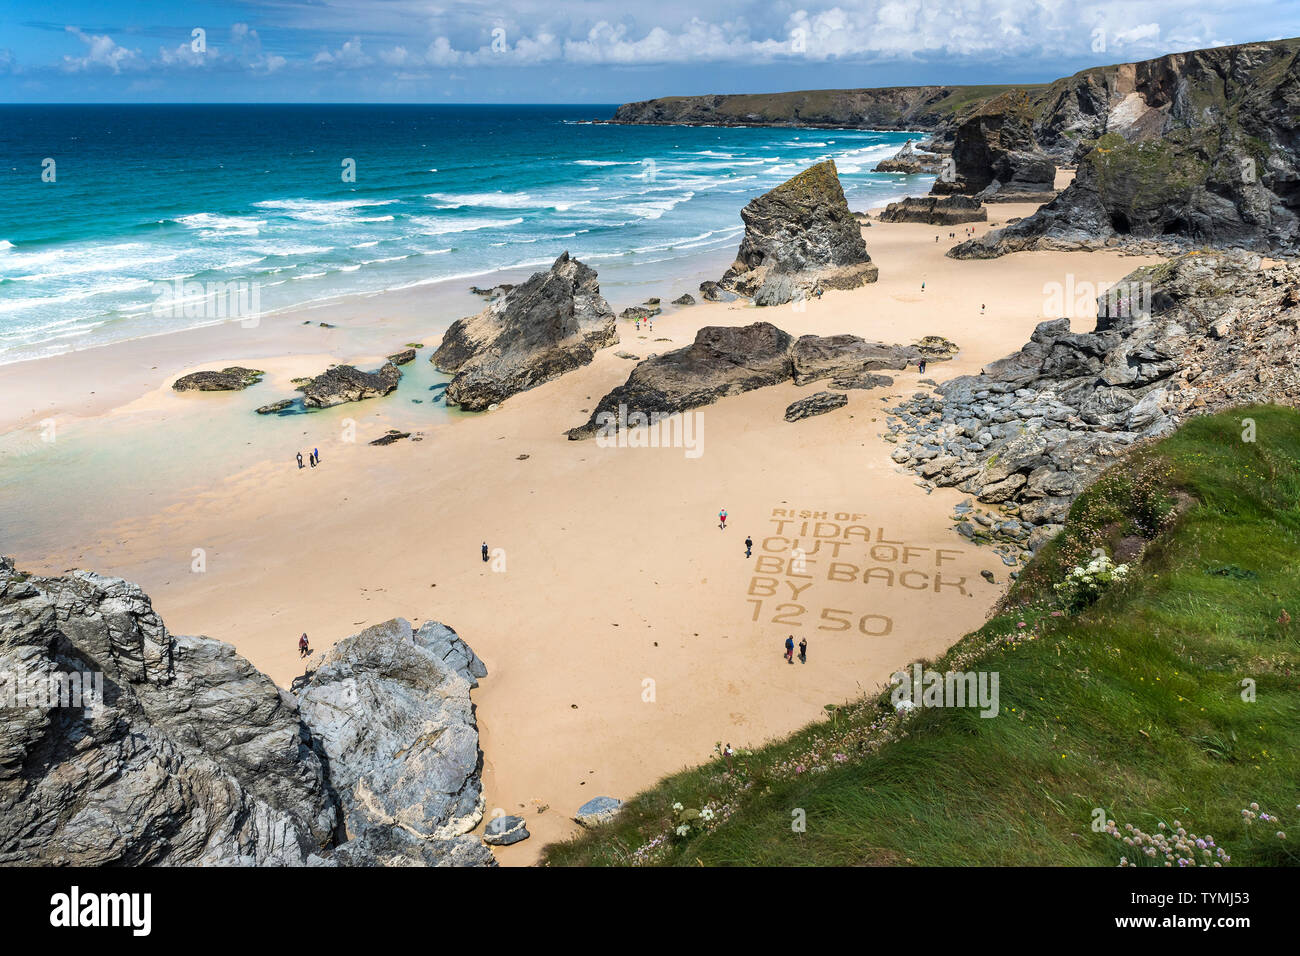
(615,571)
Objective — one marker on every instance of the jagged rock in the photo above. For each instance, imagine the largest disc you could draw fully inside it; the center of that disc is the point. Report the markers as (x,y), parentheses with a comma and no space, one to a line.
(936,210)
(908,160)
(231,379)
(402,357)
(800,238)
(390,436)
(598,810)
(493,293)
(721,361)
(505,831)
(188,755)
(819,403)
(862,380)
(684,299)
(551,324)
(413,763)
(996,156)
(343,383)
(275,406)
(712,292)
(639,312)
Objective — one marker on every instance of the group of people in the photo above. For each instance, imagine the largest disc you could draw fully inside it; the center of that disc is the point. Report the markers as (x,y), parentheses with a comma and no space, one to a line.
(313,457)
(650,326)
(789,650)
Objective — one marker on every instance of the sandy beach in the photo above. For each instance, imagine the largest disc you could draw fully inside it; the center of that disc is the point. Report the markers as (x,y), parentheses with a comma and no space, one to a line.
(624,631)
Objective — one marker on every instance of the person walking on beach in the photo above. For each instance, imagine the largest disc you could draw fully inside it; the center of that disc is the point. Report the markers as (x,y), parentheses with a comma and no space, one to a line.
(304,649)
(920,367)
(485,551)
(299,461)
(749,545)
(722,519)
(312,459)
(789,649)
(803,650)
(316,452)
(922,286)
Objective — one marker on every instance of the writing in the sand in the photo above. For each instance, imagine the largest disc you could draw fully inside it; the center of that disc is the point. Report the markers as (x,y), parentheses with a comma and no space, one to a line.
(806,547)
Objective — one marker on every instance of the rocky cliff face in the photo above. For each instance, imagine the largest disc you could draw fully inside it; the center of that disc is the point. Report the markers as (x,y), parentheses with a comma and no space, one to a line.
(1195,335)
(800,237)
(551,324)
(1188,149)
(996,157)
(189,755)
(726,361)
(932,108)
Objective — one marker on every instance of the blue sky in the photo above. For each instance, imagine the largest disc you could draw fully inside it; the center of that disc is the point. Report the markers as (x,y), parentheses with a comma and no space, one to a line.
(593,51)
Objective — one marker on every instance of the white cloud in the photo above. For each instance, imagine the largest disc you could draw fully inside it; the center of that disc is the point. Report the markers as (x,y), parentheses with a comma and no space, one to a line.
(101,51)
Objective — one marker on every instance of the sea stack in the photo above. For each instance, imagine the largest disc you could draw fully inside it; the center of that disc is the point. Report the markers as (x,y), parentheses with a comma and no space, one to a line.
(551,324)
(800,238)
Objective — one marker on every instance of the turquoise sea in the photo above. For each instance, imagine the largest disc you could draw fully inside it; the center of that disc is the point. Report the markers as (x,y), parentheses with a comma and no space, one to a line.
(102,205)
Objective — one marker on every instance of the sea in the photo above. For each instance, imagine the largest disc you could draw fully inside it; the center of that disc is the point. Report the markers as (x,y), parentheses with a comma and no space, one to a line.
(103,207)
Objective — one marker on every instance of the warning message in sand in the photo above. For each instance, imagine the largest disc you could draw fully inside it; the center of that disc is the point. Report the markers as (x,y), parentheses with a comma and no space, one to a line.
(843,571)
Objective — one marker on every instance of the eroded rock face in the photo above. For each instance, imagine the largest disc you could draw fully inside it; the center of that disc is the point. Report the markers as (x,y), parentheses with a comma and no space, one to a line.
(936,210)
(343,383)
(413,761)
(726,361)
(1034,428)
(996,156)
(231,379)
(551,324)
(190,756)
(799,238)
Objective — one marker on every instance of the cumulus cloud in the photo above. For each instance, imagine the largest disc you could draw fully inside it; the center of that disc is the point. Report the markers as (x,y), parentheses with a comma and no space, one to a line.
(101,52)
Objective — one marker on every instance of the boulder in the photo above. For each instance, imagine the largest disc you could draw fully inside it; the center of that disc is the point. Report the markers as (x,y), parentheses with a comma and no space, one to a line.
(343,383)
(598,810)
(551,324)
(505,831)
(799,238)
(402,357)
(390,436)
(819,403)
(936,210)
(684,299)
(231,379)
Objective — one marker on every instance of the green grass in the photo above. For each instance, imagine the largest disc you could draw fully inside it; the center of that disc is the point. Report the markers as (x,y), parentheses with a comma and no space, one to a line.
(1133,705)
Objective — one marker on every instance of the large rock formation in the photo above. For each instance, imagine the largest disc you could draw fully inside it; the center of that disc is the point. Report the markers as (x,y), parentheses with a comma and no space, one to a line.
(908,160)
(799,238)
(996,157)
(551,324)
(1195,335)
(187,755)
(726,361)
(936,211)
(232,379)
(1187,149)
(343,383)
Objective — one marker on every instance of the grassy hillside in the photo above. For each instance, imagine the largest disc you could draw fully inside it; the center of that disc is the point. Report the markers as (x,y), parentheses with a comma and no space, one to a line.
(1127,708)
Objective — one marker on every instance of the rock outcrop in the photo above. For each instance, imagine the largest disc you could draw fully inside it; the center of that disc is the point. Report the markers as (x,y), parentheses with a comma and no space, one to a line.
(231,379)
(936,210)
(908,160)
(996,157)
(800,238)
(726,361)
(551,324)
(1192,336)
(184,754)
(818,403)
(344,383)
